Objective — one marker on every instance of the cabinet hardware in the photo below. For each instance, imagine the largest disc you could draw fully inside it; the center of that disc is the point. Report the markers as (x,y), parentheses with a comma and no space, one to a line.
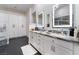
(32,37)
(38,43)
(13,25)
(53,48)
(53,41)
(39,39)
(38,36)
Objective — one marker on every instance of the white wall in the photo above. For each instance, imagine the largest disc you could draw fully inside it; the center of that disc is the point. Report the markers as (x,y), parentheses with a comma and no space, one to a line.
(76,15)
(47,8)
(16,23)
(28,21)
(42,8)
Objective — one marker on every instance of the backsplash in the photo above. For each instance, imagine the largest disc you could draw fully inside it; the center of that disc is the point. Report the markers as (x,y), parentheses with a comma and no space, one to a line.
(64,31)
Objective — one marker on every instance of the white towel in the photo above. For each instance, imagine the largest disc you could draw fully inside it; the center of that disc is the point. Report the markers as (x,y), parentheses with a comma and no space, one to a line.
(28,50)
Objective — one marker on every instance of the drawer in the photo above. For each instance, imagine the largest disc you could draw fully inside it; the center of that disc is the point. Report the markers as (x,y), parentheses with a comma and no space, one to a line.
(76,48)
(62,51)
(39,36)
(65,44)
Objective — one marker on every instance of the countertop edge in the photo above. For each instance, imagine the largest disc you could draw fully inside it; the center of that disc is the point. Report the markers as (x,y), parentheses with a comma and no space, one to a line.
(75,41)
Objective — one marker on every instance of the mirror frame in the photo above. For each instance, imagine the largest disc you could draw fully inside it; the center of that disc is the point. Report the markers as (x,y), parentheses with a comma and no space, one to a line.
(42,25)
(70,23)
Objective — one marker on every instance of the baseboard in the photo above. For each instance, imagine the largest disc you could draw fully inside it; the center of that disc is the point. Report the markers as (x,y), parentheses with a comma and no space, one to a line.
(19,37)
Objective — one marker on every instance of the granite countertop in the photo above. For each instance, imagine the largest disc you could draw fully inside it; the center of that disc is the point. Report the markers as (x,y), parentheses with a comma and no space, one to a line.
(58,36)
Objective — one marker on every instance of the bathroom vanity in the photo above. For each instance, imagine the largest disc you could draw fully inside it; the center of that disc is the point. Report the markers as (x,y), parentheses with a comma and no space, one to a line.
(54,44)
(62,19)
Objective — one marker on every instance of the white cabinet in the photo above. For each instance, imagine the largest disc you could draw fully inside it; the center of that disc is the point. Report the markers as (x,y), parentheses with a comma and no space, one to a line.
(33,39)
(62,51)
(17,25)
(3,18)
(76,48)
(48,45)
(4,25)
(57,48)
(30,37)
(22,26)
(39,42)
(48,42)
(51,45)
(13,26)
(63,47)
(65,44)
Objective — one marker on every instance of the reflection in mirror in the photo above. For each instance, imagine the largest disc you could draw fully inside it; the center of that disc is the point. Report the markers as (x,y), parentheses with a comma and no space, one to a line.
(40,19)
(62,15)
(34,17)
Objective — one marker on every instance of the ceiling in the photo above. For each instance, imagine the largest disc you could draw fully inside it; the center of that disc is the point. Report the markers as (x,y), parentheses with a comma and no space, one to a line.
(23,8)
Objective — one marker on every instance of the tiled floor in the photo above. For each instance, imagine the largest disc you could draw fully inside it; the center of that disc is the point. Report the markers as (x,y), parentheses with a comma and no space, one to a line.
(14,47)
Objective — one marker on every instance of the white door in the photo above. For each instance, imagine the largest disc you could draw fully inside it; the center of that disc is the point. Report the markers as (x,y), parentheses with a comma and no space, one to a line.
(13,26)
(4,24)
(22,26)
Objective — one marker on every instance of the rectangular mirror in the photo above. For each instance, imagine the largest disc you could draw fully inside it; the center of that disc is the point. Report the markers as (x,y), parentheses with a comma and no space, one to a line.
(62,15)
(40,19)
(34,17)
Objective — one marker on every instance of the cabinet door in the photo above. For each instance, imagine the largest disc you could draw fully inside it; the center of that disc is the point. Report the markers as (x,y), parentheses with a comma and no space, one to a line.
(76,48)
(41,44)
(38,42)
(58,49)
(34,40)
(47,45)
(62,51)
(51,46)
(4,23)
(22,26)
(66,44)
(30,37)
(13,26)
